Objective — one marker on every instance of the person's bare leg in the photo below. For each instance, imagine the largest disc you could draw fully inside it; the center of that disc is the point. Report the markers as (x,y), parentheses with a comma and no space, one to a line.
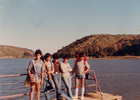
(76,82)
(82,82)
(37,89)
(32,88)
(76,87)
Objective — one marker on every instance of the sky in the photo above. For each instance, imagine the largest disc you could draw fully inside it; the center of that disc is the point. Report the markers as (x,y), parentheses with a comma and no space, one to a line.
(50,25)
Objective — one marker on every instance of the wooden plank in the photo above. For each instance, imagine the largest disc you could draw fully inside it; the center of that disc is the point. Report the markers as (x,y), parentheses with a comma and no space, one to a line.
(106,96)
(97,96)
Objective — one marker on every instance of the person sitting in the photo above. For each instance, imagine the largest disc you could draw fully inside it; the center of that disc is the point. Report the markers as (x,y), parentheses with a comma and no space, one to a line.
(57,76)
(66,68)
(49,70)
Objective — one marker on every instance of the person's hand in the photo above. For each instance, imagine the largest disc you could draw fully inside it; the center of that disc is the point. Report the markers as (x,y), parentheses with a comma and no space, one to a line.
(45,62)
(48,72)
(85,72)
(32,79)
(41,82)
(71,76)
(45,71)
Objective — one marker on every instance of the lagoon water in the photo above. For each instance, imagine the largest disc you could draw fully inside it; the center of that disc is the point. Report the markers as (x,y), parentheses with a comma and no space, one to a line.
(121,77)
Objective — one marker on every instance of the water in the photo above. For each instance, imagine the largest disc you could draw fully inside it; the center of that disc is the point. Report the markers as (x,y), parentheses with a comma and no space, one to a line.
(121,77)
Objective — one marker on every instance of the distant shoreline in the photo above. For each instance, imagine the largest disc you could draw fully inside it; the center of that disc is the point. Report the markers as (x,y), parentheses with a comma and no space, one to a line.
(114,57)
(117,57)
(14,58)
(107,57)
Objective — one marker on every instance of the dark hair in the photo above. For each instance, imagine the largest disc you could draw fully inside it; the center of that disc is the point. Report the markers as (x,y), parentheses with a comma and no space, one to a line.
(81,54)
(55,56)
(38,52)
(47,55)
(66,56)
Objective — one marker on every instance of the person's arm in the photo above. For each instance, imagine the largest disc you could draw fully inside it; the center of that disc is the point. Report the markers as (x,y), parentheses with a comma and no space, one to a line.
(62,68)
(69,68)
(86,71)
(42,76)
(46,67)
(31,78)
(29,71)
(87,65)
(52,71)
(42,73)
(73,71)
(48,72)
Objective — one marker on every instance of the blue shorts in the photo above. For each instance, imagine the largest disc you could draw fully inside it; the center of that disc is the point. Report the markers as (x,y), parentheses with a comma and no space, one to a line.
(80,77)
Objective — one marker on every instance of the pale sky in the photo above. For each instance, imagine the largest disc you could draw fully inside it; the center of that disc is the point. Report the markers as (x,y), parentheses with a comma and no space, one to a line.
(51,24)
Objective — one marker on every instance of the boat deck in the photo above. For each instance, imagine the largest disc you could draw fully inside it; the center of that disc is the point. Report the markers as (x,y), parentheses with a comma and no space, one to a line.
(97,96)
(106,96)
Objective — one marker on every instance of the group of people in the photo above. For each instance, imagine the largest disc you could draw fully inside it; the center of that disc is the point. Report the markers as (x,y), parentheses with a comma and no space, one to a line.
(50,73)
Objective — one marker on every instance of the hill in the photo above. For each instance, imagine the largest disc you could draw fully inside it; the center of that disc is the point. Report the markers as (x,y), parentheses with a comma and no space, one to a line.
(15,52)
(104,45)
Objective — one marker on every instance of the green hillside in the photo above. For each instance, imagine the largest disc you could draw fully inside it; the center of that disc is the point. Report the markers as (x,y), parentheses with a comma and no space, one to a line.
(15,52)
(104,45)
